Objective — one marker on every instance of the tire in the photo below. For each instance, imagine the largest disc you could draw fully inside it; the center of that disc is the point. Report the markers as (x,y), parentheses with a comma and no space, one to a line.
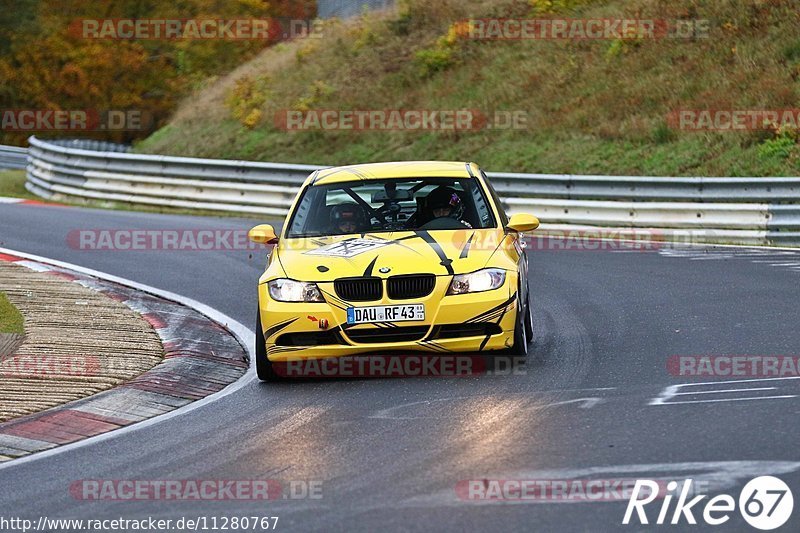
(264,368)
(529,319)
(520,347)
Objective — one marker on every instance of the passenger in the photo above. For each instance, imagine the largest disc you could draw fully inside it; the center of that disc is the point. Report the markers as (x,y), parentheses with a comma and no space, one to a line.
(444,209)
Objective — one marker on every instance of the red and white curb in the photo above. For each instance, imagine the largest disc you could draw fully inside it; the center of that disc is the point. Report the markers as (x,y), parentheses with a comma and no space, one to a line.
(7,200)
(202,358)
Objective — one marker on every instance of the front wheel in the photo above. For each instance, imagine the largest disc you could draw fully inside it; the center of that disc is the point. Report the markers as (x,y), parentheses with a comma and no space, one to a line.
(264,368)
(529,319)
(521,327)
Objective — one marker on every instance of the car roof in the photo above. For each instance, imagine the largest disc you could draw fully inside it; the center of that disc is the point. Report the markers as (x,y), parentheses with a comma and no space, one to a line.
(395,169)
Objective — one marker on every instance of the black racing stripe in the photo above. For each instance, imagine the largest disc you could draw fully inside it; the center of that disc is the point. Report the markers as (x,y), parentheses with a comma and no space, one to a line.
(334,300)
(487,317)
(398,243)
(493,310)
(445,261)
(343,327)
(500,318)
(283,349)
(483,343)
(433,346)
(277,327)
(368,271)
(465,250)
(438,346)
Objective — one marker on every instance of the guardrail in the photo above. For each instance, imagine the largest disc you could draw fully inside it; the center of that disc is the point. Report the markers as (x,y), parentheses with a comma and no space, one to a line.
(90,144)
(13,157)
(735,210)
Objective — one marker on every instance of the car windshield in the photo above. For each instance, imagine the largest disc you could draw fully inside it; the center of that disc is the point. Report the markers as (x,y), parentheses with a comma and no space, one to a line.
(375,206)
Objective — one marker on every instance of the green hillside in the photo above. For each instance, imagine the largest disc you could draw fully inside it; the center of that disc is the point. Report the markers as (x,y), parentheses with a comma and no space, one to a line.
(592,106)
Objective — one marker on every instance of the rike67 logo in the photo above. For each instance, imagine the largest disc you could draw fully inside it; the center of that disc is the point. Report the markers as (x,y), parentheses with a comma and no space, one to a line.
(765,503)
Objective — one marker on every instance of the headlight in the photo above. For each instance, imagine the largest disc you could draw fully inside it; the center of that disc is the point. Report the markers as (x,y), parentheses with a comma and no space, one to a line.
(479,281)
(289,290)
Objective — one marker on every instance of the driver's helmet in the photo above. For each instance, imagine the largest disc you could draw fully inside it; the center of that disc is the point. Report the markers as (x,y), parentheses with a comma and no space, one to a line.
(348,217)
(445,197)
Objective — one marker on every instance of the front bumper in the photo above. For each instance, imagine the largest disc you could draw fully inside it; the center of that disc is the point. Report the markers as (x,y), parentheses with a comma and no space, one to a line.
(459,323)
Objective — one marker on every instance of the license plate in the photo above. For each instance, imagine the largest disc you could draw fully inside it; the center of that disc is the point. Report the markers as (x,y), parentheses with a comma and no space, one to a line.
(385,313)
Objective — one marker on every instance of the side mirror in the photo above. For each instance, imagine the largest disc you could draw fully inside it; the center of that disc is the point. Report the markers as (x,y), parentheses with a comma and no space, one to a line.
(522,222)
(263,234)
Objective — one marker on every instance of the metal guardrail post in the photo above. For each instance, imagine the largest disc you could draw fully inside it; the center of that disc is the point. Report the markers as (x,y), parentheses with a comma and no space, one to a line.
(730,209)
(13,157)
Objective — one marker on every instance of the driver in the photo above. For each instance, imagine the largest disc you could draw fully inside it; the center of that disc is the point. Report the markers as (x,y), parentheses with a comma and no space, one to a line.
(347,218)
(445,208)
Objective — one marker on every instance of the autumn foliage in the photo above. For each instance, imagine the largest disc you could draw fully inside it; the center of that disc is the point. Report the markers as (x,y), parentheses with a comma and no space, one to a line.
(45,64)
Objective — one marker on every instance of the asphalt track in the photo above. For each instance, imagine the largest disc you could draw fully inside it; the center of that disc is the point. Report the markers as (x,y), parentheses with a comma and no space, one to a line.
(390,452)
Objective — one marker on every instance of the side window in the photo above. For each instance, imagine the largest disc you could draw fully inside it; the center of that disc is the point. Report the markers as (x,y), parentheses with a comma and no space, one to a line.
(300,217)
(478,212)
(497,202)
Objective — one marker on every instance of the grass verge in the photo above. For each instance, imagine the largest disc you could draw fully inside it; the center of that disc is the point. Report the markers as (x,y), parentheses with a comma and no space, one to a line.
(11,320)
(591,106)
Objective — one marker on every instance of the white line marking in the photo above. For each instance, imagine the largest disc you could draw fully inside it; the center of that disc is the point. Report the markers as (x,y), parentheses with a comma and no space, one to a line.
(734,381)
(586,403)
(244,335)
(671,391)
(722,390)
(716,475)
(729,400)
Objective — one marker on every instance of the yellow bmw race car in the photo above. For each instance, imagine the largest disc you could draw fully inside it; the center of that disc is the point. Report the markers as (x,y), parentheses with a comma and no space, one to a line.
(393,258)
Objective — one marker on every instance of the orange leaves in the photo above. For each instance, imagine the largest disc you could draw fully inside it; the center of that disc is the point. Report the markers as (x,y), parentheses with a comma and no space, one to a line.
(46,64)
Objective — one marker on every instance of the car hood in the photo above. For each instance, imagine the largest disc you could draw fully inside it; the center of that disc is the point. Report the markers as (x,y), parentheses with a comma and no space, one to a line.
(441,252)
